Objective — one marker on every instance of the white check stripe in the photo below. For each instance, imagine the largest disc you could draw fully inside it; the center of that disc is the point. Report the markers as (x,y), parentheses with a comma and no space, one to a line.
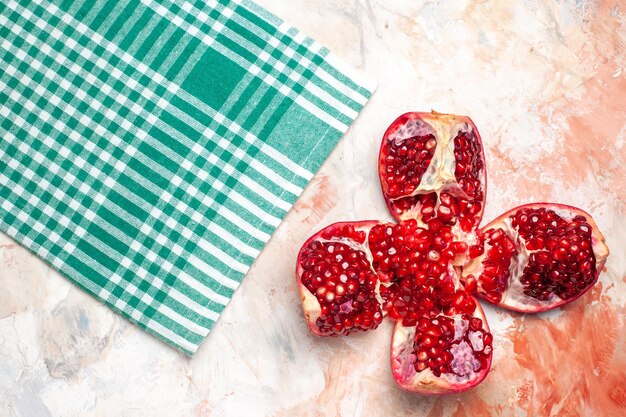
(170,335)
(293,189)
(182,320)
(184,299)
(243,224)
(253,208)
(263,193)
(323,75)
(220,254)
(193,305)
(213,273)
(352,114)
(233,240)
(192,282)
(239,221)
(286,162)
(308,106)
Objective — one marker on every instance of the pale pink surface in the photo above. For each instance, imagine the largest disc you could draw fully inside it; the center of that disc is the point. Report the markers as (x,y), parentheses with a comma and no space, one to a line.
(545,83)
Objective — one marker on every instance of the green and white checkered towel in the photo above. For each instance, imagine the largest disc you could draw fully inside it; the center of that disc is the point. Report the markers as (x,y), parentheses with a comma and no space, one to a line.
(149,148)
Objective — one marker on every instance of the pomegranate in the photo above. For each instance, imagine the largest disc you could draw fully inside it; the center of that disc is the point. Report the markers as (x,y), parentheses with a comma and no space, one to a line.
(338,286)
(442,354)
(433,165)
(423,271)
(536,257)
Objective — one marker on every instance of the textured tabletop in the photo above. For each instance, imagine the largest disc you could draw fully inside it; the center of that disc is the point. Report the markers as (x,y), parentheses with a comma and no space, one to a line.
(544,81)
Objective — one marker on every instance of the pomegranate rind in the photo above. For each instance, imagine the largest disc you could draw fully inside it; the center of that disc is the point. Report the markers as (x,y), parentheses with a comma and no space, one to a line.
(425,382)
(310,305)
(515,300)
(440,121)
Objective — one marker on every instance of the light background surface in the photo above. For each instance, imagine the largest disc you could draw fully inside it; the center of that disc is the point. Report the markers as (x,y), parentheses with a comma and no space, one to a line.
(544,81)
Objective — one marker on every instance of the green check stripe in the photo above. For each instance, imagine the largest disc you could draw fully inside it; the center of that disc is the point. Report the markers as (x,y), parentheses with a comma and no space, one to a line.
(149,149)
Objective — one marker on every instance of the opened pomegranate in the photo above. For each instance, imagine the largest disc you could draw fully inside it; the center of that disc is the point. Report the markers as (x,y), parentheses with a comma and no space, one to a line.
(537,257)
(339,289)
(443,353)
(432,165)
(423,271)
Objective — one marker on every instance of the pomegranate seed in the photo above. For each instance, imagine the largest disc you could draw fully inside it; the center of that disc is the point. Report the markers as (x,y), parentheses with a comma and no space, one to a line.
(476,250)
(459,247)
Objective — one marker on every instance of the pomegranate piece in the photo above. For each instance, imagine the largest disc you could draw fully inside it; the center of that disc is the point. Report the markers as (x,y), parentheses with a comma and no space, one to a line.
(443,353)
(536,257)
(416,267)
(338,287)
(432,165)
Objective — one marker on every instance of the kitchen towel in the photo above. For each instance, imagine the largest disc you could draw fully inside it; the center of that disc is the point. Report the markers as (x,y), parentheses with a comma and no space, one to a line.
(149,148)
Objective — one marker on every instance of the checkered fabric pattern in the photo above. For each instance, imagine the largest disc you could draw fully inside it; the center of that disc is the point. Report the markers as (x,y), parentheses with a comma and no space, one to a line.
(149,148)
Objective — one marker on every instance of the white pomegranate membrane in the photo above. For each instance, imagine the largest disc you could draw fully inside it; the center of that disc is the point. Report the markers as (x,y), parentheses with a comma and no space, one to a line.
(423,271)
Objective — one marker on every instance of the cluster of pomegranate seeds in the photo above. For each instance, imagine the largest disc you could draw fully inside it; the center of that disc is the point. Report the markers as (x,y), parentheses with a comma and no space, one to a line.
(340,277)
(396,248)
(344,231)
(405,163)
(562,261)
(469,167)
(414,264)
(456,345)
(495,264)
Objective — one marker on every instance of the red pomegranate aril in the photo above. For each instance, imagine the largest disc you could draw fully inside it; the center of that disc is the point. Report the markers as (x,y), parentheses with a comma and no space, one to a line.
(475,251)
(459,247)
(406,167)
